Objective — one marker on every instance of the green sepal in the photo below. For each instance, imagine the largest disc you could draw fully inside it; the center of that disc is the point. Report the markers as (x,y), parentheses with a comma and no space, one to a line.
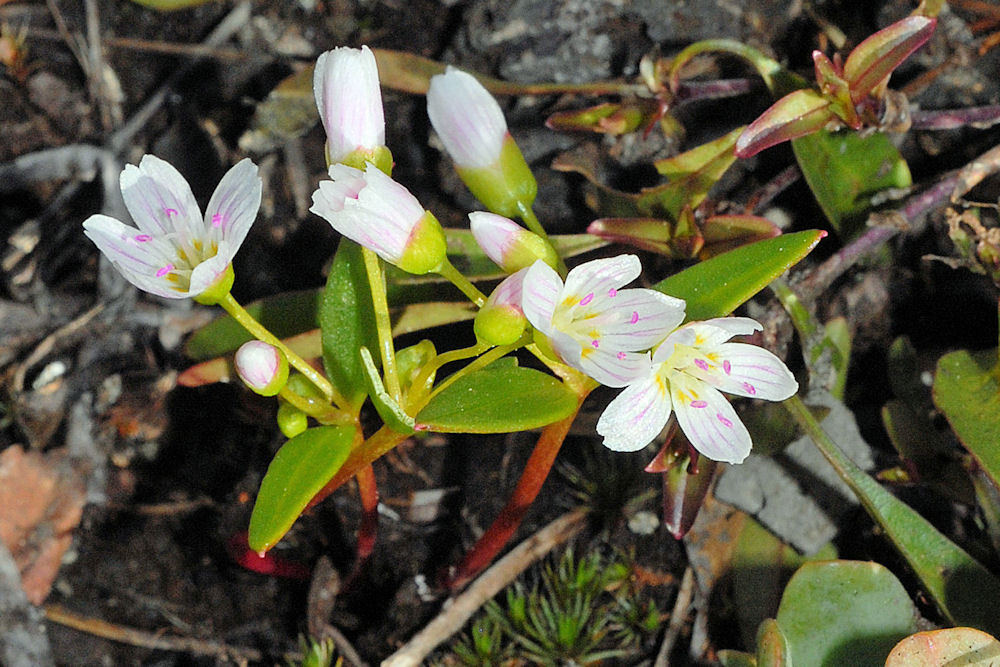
(218,290)
(388,409)
(504,186)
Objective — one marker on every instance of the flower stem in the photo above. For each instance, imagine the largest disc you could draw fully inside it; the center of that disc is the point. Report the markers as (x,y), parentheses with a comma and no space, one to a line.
(383,326)
(246,320)
(368,490)
(536,471)
(530,219)
(321,412)
(448,271)
(483,361)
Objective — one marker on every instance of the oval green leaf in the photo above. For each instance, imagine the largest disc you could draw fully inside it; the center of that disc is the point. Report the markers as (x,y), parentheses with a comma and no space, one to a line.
(967,391)
(300,469)
(716,287)
(845,170)
(844,613)
(501,398)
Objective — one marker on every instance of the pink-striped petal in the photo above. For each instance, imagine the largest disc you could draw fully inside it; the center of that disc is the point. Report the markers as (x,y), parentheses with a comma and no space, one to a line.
(138,256)
(748,370)
(541,289)
(160,200)
(636,416)
(637,319)
(708,420)
(233,207)
(349,99)
(466,118)
(594,283)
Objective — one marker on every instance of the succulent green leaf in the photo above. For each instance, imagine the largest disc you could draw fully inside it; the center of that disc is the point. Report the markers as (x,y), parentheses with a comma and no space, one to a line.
(347,323)
(300,469)
(716,287)
(795,115)
(960,647)
(845,170)
(501,398)
(844,613)
(967,391)
(874,59)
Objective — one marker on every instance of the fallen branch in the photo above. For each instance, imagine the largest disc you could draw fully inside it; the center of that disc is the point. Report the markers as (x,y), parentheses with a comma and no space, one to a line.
(460,609)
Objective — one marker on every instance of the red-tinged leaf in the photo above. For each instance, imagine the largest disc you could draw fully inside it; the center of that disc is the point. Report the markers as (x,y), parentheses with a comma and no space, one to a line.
(722,233)
(652,234)
(608,118)
(683,494)
(794,115)
(835,88)
(698,158)
(967,647)
(873,60)
(694,173)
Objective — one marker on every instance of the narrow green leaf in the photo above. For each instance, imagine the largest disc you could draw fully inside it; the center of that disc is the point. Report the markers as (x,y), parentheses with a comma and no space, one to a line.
(300,469)
(501,398)
(964,590)
(284,315)
(347,322)
(716,287)
(844,613)
(967,391)
(390,412)
(845,170)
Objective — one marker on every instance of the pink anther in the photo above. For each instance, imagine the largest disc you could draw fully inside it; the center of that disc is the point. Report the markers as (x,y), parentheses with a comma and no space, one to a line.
(595,344)
(143,238)
(699,404)
(587,299)
(726,366)
(612,292)
(171,212)
(701,363)
(635,317)
(722,418)
(217,220)
(620,355)
(165,270)
(749,388)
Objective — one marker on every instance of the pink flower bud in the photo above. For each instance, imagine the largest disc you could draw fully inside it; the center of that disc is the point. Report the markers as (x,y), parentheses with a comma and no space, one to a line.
(349,100)
(262,367)
(508,244)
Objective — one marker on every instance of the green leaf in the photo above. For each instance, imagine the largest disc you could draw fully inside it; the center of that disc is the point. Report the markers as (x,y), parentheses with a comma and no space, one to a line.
(845,170)
(716,287)
(501,398)
(967,391)
(844,613)
(772,648)
(957,647)
(285,315)
(729,658)
(300,469)
(347,322)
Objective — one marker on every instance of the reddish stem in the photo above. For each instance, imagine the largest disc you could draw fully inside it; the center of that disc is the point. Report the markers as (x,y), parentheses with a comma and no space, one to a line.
(368,530)
(535,472)
(383,441)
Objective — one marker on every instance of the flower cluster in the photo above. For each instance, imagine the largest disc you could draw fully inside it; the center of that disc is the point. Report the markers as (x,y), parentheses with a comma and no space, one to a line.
(631,338)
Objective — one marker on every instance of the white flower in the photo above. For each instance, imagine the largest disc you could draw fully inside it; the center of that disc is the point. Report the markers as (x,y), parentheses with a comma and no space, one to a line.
(685,376)
(467,118)
(592,323)
(349,100)
(377,212)
(175,252)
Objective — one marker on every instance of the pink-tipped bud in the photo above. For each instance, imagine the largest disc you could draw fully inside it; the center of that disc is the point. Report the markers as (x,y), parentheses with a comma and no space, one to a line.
(349,100)
(508,244)
(377,212)
(473,130)
(501,321)
(262,367)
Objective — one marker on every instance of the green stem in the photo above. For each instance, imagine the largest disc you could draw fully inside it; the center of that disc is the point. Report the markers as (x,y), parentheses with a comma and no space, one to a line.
(258,331)
(530,219)
(383,325)
(483,361)
(321,412)
(452,274)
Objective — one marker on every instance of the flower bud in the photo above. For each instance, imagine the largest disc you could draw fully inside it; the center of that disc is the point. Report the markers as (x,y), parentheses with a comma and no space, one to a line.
(291,420)
(500,321)
(508,244)
(349,100)
(262,367)
(377,212)
(474,132)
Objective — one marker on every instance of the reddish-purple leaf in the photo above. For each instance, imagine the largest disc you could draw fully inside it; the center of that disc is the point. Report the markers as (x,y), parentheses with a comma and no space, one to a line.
(795,115)
(874,59)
